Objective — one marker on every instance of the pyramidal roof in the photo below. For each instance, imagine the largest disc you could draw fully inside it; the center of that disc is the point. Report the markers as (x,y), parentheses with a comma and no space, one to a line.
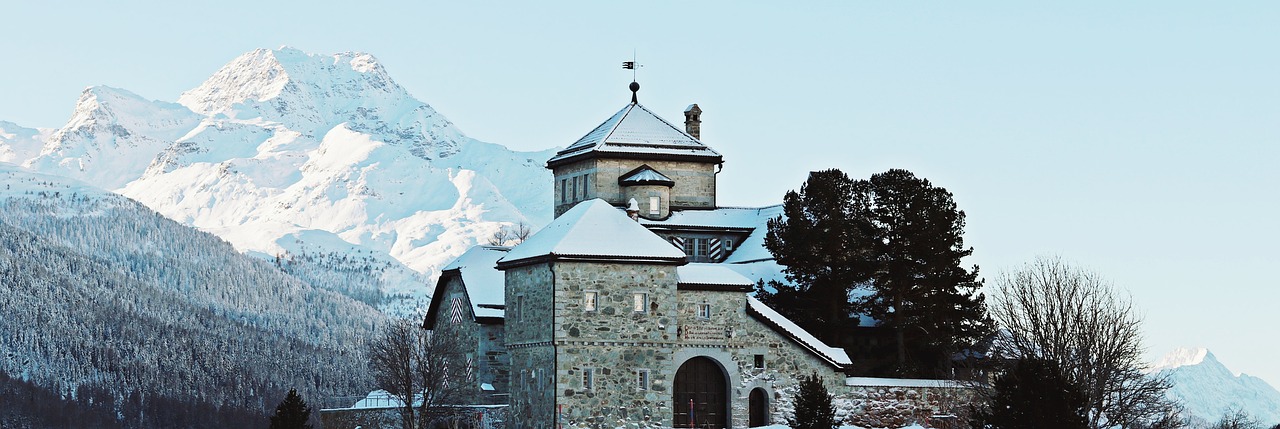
(593,230)
(635,131)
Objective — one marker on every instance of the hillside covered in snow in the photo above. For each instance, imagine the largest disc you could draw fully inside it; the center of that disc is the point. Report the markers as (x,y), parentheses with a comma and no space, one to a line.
(1208,390)
(122,316)
(321,163)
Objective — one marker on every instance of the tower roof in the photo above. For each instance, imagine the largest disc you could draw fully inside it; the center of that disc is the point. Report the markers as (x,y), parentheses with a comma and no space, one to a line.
(593,230)
(636,132)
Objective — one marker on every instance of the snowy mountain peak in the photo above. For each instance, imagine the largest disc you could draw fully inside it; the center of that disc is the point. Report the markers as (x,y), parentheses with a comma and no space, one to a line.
(112,136)
(1183,356)
(313,93)
(1207,388)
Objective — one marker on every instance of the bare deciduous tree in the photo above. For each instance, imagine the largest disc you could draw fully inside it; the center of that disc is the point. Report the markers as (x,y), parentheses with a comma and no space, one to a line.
(419,368)
(1073,318)
(1237,419)
(510,235)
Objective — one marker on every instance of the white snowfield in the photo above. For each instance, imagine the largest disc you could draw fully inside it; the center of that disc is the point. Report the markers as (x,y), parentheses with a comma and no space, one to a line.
(1208,390)
(282,151)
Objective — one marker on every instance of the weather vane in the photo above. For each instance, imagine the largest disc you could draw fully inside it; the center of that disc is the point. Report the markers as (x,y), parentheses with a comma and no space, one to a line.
(632,65)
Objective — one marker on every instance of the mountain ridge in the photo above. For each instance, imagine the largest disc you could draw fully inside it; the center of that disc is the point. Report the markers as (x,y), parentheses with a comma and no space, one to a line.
(1208,390)
(290,154)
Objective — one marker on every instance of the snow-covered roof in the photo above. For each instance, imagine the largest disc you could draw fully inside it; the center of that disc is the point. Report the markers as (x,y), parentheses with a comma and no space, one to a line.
(750,249)
(834,355)
(593,229)
(710,275)
(645,175)
(484,283)
(637,130)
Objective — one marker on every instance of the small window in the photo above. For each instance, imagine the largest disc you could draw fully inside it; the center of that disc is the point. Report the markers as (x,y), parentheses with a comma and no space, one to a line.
(653,206)
(590,299)
(759,362)
(704,311)
(519,307)
(575,187)
(640,302)
(585,180)
(642,379)
(564,190)
(589,378)
(728,245)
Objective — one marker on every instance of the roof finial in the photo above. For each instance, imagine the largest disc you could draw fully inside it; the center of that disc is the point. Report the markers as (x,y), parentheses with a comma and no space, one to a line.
(632,65)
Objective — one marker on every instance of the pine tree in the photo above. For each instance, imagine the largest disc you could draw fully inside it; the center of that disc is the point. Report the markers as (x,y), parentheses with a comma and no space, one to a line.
(1033,393)
(292,413)
(920,290)
(824,241)
(896,236)
(813,405)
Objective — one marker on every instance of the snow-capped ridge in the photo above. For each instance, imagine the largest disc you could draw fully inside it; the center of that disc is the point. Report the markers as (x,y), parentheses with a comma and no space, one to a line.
(319,162)
(312,94)
(1183,356)
(1207,388)
(112,136)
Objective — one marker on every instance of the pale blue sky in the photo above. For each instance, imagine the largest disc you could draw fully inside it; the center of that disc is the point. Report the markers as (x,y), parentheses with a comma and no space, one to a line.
(1136,138)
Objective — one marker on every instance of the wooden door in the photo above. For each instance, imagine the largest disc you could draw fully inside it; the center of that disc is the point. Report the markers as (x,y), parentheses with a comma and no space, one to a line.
(700,387)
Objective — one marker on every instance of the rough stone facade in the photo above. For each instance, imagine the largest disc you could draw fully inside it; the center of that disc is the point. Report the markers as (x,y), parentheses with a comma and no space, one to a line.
(529,334)
(695,182)
(598,354)
(483,344)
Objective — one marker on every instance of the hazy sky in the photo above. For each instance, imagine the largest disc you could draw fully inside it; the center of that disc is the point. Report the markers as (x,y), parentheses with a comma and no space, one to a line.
(1139,139)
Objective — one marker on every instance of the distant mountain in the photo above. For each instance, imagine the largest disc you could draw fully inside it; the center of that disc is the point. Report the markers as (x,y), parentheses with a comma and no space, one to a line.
(321,163)
(115,316)
(1208,390)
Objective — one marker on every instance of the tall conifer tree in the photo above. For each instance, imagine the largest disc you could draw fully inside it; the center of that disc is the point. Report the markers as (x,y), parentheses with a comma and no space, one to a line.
(824,241)
(920,290)
(813,405)
(292,413)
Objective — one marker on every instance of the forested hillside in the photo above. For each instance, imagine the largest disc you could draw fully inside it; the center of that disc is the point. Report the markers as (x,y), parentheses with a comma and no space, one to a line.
(109,306)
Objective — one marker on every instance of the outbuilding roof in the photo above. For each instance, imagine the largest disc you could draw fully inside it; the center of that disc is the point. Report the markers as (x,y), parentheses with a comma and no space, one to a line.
(484,285)
(635,130)
(593,230)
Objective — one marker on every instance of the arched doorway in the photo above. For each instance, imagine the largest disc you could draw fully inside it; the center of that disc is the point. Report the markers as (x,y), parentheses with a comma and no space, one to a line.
(700,387)
(758,408)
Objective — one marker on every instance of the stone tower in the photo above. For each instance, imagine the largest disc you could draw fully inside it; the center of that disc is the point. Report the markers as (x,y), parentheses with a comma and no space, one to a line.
(637,154)
(589,298)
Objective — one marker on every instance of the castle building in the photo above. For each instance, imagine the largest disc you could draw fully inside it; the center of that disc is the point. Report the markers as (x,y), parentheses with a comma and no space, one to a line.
(632,307)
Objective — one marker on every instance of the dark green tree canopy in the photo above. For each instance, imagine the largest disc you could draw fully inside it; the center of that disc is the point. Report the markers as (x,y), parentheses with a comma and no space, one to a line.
(292,413)
(813,405)
(822,240)
(1033,393)
(889,247)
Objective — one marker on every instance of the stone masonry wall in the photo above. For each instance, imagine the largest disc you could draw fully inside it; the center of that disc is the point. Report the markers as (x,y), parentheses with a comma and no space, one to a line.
(695,185)
(613,342)
(734,338)
(528,340)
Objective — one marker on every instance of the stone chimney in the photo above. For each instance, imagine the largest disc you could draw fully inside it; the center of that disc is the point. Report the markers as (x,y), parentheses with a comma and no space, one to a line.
(692,121)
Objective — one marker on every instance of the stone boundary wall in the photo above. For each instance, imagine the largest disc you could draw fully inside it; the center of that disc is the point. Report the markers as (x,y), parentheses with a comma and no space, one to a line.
(894,403)
(461,417)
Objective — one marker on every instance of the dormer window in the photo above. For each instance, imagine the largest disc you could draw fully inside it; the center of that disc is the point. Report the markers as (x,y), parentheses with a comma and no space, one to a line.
(654,208)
